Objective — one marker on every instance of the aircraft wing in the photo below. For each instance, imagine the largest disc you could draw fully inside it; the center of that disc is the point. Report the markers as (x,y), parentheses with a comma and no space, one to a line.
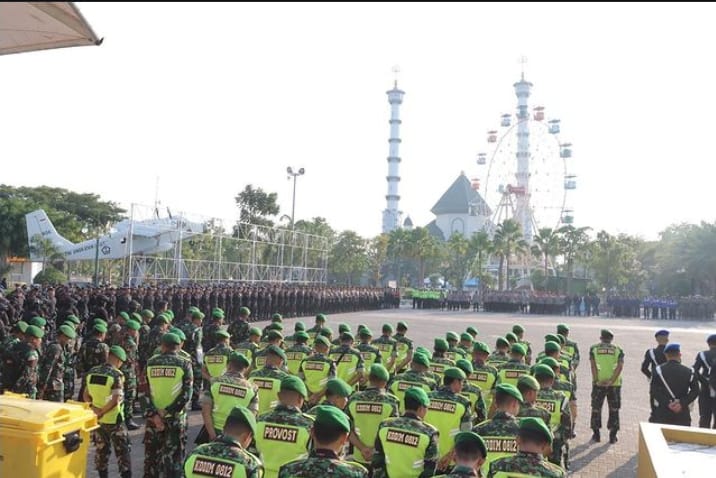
(153,230)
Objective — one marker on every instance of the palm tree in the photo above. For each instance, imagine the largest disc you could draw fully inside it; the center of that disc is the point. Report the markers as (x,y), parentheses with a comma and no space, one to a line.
(574,242)
(457,268)
(509,240)
(46,249)
(547,244)
(480,248)
(398,244)
(422,247)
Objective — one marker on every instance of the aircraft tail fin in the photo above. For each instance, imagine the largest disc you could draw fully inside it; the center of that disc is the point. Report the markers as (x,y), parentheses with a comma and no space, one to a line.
(38,223)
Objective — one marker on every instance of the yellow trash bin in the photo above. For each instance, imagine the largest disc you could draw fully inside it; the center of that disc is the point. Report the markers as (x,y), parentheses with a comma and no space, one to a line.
(41,439)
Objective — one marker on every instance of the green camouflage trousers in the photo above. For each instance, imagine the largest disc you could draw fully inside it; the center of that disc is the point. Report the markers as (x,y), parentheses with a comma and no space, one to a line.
(117,436)
(164,451)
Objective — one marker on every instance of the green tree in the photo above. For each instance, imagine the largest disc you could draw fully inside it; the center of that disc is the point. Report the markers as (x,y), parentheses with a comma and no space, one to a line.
(480,249)
(257,206)
(424,248)
(508,241)
(398,250)
(574,242)
(50,276)
(348,257)
(43,248)
(458,264)
(377,257)
(546,245)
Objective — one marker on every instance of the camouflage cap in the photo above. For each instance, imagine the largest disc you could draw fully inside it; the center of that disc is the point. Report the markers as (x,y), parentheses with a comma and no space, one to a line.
(332,417)
(379,372)
(465,366)
(561,328)
(339,387)
(402,325)
(471,441)
(118,352)
(528,381)
(537,425)
(481,347)
(509,389)
(245,416)
(441,345)
(67,331)
(417,394)
(606,333)
(294,384)
(239,358)
(543,370)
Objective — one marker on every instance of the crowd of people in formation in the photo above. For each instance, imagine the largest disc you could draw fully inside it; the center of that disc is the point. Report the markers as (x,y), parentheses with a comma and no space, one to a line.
(662,308)
(674,387)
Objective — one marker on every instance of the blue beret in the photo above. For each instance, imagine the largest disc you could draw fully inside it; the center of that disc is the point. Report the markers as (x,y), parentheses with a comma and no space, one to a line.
(711,339)
(661,332)
(672,349)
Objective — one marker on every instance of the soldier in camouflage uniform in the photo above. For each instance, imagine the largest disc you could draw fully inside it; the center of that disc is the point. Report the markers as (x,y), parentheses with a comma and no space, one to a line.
(193,332)
(439,361)
(51,383)
(519,331)
(297,352)
(387,346)
(370,353)
(533,438)
(330,433)
(170,379)
(316,381)
(316,329)
(551,398)
(70,353)
(239,328)
(499,356)
(290,340)
(21,376)
(211,327)
(472,393)
(93,352)
(470,454)
(528,387)
(274,337)
(231,446)
(105,391)
(250,347)
(349,361)
(565,387)
(404,347)
(397,439)
(128,342)
(454,352)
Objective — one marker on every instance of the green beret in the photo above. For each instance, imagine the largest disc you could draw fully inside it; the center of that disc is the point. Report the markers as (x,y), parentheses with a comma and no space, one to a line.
(452,336)
(302,336)
(100,328)
(346,336)
(481,347)
(67,331)
(37,321)
(562,339)
(472,330)
(274,335)
(543,370)
(528,381)
(454,372)
(551,346)
(551,338)
(294,384)
(178,332)
(275,326)
(255,331)
(320,339)
(163,318)
(332,417)
(100,321)
(222,333)
(170,313)
(606,333)
(133,325)
(518,349)
(502,342)
(135,316)
(511,337)
(343,328)
(148,313)
(402,325)
(320,318)
(466,337)
(537,425)
(276,350)
(276,317)
(562,328)
(379,372)
(34,331)
(419,395)
(245,416)
(422,350)
(509,389)
(217,313)
(124,315)
(244,311)
(326,332)
(338,387)
(239,358)
(193,308)
(518,329)
(197,314)
(365,332)
(471,440)
(118,352)
(73,319)
(22,326)
(421,359)
(387,328)
(551,362)
(464,365)
(299,326)
(171,339)
(69,324)
(441,345)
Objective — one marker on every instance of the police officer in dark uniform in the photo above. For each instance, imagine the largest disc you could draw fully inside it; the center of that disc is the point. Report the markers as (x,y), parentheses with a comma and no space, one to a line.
(655,357)
(703,367)
(673,388)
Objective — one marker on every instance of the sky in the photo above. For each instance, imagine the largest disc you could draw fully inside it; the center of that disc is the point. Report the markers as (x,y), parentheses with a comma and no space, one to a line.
(211,97)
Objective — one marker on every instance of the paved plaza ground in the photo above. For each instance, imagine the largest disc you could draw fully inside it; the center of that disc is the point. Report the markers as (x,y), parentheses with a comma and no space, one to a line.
(600,460)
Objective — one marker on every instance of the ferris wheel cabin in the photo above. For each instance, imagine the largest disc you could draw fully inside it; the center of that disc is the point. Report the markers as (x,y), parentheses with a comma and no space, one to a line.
(539,113)
(565,150)
(553,126)
(481,159)
(506,120)
(568,216)
(570,182)
(492,136)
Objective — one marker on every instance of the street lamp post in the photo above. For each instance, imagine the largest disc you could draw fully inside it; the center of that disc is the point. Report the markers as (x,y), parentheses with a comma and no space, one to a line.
(295,174)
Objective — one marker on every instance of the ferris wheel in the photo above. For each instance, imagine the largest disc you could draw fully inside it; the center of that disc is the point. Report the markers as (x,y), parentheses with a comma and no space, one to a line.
(526,170)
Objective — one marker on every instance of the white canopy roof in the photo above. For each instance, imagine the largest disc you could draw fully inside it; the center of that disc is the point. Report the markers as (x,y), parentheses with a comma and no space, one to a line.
(31,26)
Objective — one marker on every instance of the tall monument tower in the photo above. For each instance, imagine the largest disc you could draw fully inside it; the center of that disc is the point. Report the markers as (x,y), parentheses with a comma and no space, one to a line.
(523,213)
(391,214)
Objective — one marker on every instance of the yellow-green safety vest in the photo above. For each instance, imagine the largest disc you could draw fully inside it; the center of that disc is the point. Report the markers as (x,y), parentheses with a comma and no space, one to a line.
(268,392)
(216,364)
(99,386)
(445,415)
(315,374)
(165,382)
(498,447)
(402,350)
(369,359)
(202,466)
(485,381)
(513,474)
(399,387)
(346,368)
(224,397)
(278,444)
(293,361)
(386,351)
(404,451)
(367,417)
(606,357)
(510,375)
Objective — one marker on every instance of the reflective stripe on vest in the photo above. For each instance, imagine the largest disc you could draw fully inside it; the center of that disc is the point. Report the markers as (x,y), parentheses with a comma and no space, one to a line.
(198,466)
(445,415)
(268,392)
(278,444)
(216,364)
(511,376)
(404,451)
(225,396)
(165,382)
(99,386)
(498,447)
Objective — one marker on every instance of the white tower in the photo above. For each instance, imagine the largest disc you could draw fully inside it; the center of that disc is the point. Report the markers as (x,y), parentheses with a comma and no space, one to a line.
(391,214)
(523,212)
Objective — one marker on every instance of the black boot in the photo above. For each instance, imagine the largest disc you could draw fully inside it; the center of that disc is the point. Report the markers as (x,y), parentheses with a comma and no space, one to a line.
(103,473)
(613,436)
(131,424)
(126,474)
(596,436)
